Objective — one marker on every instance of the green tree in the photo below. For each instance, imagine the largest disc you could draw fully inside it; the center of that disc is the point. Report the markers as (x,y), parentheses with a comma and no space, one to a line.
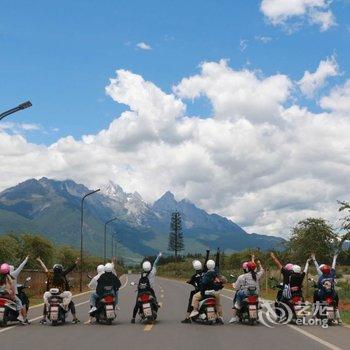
(9,249)
(176,242)
(66,255)
(313,235)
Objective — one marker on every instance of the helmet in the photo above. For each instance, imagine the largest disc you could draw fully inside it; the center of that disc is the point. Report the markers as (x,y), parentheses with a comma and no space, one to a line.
(244,266)
(57,268)
(210,264)
(325,269)
(197,265)
(296,269)
(100,269)
(289,267)
(12,268)
(147,266)
(108,267)
(251,266)
(4,269)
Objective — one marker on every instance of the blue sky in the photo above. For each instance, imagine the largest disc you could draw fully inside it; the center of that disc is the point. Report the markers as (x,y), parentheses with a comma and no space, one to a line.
(61,54)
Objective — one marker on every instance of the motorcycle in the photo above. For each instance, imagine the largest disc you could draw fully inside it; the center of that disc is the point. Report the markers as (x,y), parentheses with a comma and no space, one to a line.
(56,312)
(326,306)
(207,309)
(105,312)
(249,309)
(8,308)
(148,309)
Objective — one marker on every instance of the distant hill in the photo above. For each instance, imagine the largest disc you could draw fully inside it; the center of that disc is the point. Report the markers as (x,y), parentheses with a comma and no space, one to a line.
(52,208)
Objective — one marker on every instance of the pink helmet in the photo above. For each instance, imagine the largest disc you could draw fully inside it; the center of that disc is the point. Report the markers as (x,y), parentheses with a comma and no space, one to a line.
(289,267)
(245,266)
(4,269)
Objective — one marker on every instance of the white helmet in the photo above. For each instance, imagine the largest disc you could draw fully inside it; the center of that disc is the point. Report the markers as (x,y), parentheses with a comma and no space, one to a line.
(210,264)
(296,269)
(147,266)
(12,268)
(100,269)
(197,265)
(109,267)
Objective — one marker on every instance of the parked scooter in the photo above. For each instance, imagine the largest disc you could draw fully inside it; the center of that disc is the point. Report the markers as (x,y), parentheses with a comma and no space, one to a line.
(8,308)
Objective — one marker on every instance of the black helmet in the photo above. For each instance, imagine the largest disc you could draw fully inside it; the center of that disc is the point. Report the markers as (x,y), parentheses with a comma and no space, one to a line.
(57,268)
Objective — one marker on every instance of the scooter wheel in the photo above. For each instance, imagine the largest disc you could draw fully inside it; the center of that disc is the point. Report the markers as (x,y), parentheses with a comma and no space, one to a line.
(109,322)
(54,323)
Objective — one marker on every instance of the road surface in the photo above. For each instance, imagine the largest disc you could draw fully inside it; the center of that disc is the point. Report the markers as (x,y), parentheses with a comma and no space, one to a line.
(168,333)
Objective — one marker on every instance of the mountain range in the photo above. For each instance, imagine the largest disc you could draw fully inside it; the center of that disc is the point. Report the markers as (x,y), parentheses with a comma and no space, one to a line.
(52,208)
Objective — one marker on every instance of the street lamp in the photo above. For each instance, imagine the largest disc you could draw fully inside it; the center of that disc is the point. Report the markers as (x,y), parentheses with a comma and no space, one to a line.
(20,107)
(81,236)
(105,239)
(114,239)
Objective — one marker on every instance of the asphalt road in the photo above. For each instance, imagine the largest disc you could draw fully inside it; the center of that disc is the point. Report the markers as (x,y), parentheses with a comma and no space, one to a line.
(168,333)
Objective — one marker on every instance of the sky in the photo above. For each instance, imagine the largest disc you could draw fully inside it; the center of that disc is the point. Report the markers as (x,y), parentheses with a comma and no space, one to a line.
(243,107)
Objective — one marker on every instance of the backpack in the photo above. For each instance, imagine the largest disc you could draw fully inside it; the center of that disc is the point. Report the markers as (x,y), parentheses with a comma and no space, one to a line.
(144,283)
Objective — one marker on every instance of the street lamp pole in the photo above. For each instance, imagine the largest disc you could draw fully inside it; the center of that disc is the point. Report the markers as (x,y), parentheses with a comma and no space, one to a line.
(16,109)
(114,239)
(105,239)
(81,237)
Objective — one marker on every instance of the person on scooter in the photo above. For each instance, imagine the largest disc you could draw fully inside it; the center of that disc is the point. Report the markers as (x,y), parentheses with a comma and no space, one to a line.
(14,274)
(195,281)
(211,280)
(286,271)
(6,283)
(57,278)
(93,285)
(107,279)
(248,279)
(296,279)
(147,280)
(326,274)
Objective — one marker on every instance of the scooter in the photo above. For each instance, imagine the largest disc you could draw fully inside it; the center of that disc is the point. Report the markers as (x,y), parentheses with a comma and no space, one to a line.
(326,306)
(8,308)
(250,306)
(207,309)
(105,312)
(56,312)
(148,308)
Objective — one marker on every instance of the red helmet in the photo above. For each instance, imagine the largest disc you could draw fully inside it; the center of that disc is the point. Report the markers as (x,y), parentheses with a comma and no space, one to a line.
(326,269)
(251,266)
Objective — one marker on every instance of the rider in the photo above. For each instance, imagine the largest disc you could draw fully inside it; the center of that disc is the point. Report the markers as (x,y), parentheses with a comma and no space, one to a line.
(58,279)
(195,281)
(286,271)
(147,278)
(14,274)
(210,281)
(326,274)
(296,279)
(107,279)
(7,286)
(93,285)
(250,278)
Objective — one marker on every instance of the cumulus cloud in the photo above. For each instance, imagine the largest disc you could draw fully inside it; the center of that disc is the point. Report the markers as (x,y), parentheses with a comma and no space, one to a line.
(260,159)
(282,12)
(311,82)
(143,46)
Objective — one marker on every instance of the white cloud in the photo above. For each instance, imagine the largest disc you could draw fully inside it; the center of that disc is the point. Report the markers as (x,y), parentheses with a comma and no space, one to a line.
(243,44)
(311,82)
(263,39)
(143,46)
(19,127)
(281,12)
(260,159)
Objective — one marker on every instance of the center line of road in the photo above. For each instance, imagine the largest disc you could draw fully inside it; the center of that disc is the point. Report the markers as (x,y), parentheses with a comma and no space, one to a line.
(148,327)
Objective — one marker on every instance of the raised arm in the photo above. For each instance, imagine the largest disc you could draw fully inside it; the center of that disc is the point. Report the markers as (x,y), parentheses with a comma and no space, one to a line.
(20,268)
(205,269)
(71,268)
(276,261)
(334,261)
(306,268)
(42,264)
(313,257)
(157,260)
(260,269)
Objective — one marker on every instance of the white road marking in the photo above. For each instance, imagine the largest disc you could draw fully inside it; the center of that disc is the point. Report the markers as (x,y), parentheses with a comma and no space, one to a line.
(148,327)
(314,337)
